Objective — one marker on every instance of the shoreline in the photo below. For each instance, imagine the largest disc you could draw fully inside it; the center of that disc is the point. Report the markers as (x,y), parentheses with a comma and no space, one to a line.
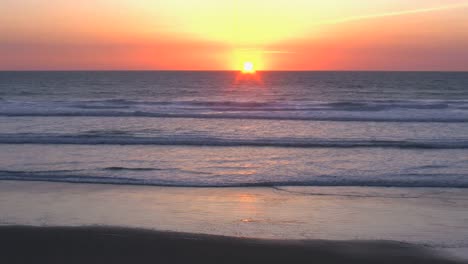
(432,218)
(93,244)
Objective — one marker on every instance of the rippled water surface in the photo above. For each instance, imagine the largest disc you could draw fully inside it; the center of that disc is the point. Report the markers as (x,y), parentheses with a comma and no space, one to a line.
(207,129)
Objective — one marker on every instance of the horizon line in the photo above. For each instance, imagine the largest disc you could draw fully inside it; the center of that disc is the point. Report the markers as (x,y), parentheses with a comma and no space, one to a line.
(187,70)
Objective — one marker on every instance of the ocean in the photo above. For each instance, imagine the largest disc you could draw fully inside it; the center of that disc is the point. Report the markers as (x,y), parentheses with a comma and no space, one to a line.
(275,155)
(214,129)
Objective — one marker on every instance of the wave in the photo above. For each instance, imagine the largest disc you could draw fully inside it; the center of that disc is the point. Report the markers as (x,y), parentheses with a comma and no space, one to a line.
(298,105)
(228,142)
(374,111)
(433,119)
(129,169)
(31,176)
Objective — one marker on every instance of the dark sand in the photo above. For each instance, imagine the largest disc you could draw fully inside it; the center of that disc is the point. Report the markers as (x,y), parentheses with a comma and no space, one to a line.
(20,244)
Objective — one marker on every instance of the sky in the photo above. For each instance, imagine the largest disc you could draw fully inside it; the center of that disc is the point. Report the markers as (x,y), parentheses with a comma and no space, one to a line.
(223,35)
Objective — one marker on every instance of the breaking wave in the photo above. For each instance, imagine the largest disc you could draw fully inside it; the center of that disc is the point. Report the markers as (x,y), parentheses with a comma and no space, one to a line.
(375,111)
(192,140)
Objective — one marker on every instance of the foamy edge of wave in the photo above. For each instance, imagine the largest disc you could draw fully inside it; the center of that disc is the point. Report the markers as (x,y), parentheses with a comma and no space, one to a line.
(162,183)
(372,111)
(228,142)
(434,119)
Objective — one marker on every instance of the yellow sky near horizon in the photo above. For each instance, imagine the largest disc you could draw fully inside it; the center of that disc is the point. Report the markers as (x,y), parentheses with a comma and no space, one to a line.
(219,35)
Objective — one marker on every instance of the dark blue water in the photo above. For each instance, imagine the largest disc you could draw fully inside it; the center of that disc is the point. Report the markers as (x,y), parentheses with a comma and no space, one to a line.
(404,129)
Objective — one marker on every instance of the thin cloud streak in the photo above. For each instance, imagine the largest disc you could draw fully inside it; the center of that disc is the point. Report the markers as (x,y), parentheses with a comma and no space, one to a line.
(278,52)
(395,13)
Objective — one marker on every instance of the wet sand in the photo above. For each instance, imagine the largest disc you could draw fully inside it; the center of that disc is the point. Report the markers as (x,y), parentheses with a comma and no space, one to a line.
(22,244)
(433,218)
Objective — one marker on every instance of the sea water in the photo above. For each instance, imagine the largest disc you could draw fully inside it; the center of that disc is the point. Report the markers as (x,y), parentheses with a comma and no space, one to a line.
(380,129)
(310,155)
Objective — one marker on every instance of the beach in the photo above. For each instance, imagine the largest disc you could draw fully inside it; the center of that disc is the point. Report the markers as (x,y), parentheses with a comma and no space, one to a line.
(234,132)
(305,223)
(123,245)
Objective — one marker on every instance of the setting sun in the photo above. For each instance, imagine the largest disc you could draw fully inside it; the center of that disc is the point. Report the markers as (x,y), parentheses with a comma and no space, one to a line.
(286,131)
(248,67)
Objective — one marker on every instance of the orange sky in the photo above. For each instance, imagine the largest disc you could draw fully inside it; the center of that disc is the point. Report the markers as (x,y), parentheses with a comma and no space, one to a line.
(221,35)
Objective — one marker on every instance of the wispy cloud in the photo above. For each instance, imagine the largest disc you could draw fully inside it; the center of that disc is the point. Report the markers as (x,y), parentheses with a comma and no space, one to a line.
(277,51)
(396,13)
(247,50)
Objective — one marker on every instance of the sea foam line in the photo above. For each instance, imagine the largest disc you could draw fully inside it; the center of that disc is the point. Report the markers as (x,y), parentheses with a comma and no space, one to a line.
(265,116)
(29,176)
(229,142)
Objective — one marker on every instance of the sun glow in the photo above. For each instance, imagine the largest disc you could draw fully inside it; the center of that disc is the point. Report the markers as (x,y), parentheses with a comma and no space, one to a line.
(248,60)
(248,67)
(248,74)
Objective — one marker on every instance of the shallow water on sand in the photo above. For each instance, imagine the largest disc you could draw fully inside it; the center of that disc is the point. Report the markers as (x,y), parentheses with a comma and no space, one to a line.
(434,217)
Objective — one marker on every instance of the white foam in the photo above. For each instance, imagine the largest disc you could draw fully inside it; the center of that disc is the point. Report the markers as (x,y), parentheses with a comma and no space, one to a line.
(376,111)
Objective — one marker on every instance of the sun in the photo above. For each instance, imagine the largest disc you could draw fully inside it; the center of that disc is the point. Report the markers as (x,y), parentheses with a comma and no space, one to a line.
(248,67)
